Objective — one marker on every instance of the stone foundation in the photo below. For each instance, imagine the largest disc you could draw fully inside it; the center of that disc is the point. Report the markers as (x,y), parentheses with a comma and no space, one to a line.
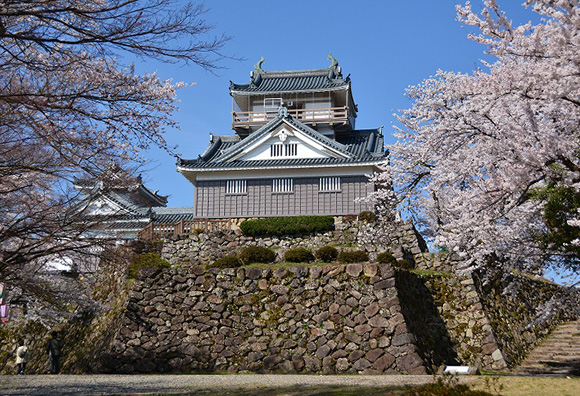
(446,314)
(358,318)
(318,319)
(365,318)
(400,238)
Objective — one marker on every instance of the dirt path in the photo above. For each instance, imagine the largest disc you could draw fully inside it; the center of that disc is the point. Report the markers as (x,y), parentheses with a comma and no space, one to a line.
(69,385)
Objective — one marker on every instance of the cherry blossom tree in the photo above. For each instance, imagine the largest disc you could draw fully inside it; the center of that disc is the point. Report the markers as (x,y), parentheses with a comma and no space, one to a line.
(70,106)
(480,156)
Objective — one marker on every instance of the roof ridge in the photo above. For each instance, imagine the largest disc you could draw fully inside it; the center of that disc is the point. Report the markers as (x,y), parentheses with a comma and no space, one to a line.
(329,79)
(318,135)
(292,121)
(229,138)
(249,139)
(286,73)
(162,199)
(173,210)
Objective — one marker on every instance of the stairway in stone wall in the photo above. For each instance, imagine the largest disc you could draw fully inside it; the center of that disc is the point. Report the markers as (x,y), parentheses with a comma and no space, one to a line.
(558,355)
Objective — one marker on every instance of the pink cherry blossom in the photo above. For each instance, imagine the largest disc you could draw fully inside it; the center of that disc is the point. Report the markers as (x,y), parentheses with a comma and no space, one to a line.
(473,146)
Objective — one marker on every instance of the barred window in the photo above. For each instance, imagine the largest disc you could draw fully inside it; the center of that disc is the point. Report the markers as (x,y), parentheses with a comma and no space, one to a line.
(236,187)
(291,149)
(276,150)
(282,185)
(329,184)
(281,150)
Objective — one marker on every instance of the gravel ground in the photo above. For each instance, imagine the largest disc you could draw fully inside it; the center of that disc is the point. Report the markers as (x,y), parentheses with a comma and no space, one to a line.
(69,385)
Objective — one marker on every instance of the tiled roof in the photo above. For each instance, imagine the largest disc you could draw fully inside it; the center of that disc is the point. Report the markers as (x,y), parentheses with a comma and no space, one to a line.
(292,81)
(359,146)
(172,215)
(172,218)
(285,163)
(121,201)
(126,225)
(154,215)
(117,181)
(364,142)
(160,200)
(221,143)
(269,126)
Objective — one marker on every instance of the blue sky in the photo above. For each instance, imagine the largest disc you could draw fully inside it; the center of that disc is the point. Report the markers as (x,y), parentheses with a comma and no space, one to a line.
(384,45)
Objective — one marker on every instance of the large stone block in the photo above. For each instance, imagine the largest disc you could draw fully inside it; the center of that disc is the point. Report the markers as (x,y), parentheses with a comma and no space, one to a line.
(354,270)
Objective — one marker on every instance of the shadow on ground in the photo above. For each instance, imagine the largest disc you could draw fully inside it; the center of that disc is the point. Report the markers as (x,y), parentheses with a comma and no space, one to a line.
(299,391)
(570,367)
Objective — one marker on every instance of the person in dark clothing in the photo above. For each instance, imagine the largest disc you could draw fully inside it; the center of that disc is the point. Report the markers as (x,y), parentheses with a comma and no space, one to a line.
(54,350)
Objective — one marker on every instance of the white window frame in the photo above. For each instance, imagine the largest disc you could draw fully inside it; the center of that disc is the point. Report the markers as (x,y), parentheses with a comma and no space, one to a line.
(280,186)
(272,103)
(236,187)
(329,184)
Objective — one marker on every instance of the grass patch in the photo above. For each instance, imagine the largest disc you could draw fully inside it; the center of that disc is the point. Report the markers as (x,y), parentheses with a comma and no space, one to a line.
(510,386)
(289,265)
(146,260)
(422,272)
(481,385)
(536,386)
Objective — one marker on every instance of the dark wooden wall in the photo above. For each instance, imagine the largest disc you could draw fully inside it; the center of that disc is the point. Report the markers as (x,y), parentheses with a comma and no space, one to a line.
(211,200)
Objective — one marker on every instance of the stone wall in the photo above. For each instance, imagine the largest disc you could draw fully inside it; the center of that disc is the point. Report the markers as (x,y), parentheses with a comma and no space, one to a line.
(360,318)
(316,319)
(522,310)
(446,313)
(425,321)
(466,321)
(365,318)
(400,238)
(88,329)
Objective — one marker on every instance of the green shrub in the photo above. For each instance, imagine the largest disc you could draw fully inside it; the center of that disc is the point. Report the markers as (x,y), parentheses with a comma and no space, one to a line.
(404,264)
(369,217)
(146,260)
(279,226)
(349,218)
(198,231)
(298,255)
(357,256)
(386,258)
(226,262)
(326,254)
(257,254)
(149,246)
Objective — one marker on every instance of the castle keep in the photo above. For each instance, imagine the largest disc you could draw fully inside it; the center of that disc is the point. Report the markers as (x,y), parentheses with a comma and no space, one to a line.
(295,150)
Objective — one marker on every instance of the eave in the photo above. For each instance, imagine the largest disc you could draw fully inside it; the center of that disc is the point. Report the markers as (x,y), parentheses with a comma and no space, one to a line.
(263,93)
(191,173)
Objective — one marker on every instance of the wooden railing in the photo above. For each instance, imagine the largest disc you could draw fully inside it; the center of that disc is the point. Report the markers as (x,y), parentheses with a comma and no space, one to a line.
(332,114)
(183,227)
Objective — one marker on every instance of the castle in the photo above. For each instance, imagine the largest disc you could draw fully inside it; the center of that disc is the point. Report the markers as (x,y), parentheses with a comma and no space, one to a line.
(123,205)
(295,150)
